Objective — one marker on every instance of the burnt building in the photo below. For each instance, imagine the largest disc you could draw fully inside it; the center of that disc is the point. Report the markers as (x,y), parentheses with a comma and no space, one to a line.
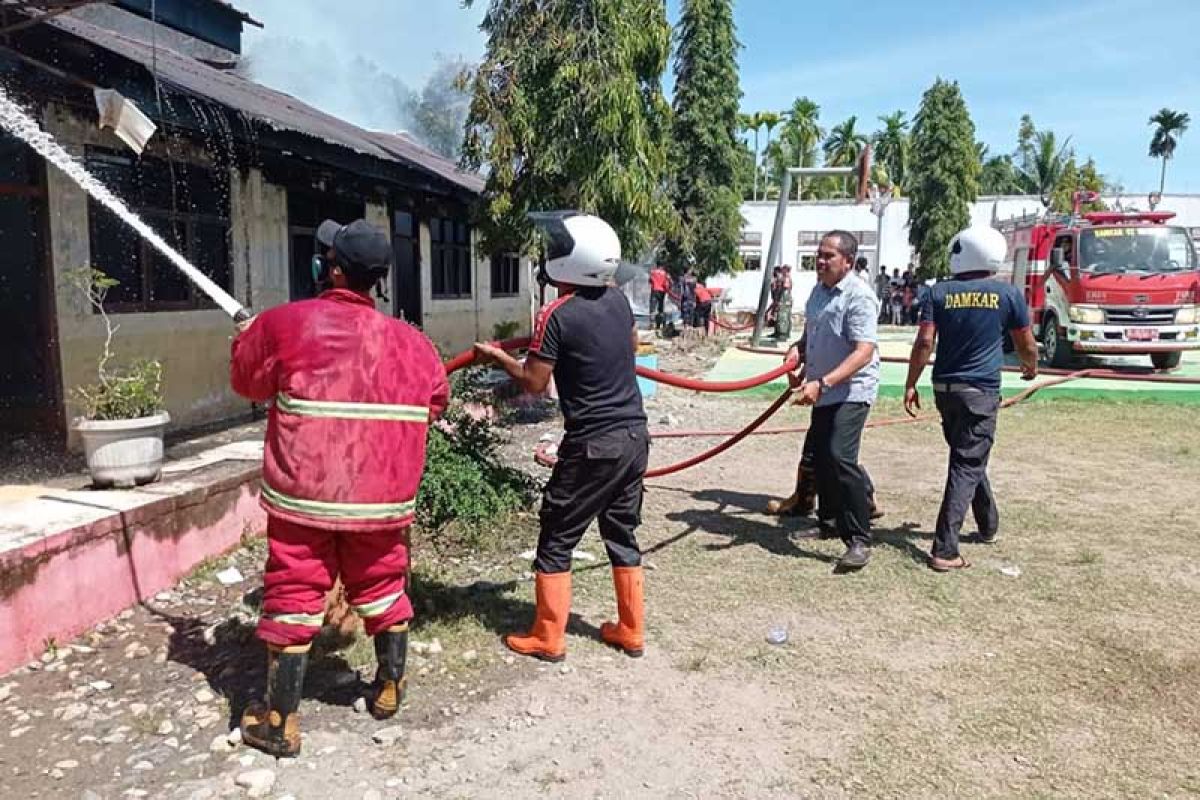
(237,176)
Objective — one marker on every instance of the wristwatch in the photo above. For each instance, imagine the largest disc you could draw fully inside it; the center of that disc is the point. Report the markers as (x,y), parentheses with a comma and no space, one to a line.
(824,386)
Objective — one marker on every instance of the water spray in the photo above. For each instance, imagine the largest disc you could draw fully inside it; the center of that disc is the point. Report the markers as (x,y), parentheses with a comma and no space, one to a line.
(19,123)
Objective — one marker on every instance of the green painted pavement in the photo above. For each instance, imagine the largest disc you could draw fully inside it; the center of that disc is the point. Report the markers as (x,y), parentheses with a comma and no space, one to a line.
(736,364)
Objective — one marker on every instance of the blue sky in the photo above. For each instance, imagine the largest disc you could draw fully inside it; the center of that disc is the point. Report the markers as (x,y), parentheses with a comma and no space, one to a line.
(1093,70)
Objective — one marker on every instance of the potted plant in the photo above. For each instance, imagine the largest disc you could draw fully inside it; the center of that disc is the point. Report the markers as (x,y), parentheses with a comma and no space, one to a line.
(122,420)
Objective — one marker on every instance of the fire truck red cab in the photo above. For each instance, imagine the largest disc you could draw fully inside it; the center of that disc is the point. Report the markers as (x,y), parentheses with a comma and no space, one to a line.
(1108,283)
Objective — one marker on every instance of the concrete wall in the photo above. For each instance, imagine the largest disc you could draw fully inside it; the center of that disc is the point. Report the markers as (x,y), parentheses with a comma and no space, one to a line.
(454,325)
(192,345)
(259,243)
(814,215)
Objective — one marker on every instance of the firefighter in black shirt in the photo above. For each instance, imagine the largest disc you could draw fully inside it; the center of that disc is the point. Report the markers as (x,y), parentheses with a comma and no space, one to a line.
(587,339)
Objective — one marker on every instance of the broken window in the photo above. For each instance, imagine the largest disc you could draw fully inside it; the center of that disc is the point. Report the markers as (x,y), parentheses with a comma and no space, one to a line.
(186,204)
(506,275)
(450,255)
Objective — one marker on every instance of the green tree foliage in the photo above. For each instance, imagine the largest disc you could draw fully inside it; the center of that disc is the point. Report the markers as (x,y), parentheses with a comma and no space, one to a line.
(751,123)
(440,110)
(998,174)
(842,148)
(798,141)
(1169,126)
(944,175)
(1075,178)
(892,145)
(705,188)
(1043,163)
(567,111)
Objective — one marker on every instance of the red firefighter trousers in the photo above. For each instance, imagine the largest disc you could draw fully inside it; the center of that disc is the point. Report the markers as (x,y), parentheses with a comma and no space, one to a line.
(302,564)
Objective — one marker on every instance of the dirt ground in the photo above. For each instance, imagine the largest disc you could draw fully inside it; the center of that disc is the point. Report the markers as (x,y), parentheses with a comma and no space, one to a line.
(1064,663)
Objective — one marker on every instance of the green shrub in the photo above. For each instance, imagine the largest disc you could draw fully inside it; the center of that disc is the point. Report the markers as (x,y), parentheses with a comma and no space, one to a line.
(466,485)
(123,394)
(505,330)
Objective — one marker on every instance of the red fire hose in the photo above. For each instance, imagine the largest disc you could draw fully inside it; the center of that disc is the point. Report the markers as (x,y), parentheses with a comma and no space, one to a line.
(467,358)
(543,457)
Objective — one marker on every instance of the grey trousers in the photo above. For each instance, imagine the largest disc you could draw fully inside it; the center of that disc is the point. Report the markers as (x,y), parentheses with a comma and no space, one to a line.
(969,426)
(842,484)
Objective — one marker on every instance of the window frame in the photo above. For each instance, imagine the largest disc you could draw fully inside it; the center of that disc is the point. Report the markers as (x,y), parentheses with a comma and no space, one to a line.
(162,220)
(512,262)
(450,238)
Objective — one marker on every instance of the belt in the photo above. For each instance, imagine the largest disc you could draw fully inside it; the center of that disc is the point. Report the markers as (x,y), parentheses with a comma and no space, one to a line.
(959,388)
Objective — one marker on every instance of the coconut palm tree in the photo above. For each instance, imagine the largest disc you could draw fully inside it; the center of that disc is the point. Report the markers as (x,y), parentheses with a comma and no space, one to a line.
(770,120)
(1171,125)
(802,133)
(752,122)
(1044,165)
(844,144)
(891,147)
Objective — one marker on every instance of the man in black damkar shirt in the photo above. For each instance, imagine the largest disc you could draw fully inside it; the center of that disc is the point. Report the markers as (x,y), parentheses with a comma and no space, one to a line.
(587,339)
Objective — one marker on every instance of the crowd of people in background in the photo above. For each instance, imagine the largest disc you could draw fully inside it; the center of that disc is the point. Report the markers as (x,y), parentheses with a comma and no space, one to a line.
(899,295)
(692,296)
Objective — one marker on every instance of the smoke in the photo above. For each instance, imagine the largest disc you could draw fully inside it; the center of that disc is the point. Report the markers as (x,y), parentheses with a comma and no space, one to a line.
(364,61)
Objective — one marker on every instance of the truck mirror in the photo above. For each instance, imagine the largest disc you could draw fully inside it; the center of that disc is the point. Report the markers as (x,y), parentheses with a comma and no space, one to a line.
(1056,258)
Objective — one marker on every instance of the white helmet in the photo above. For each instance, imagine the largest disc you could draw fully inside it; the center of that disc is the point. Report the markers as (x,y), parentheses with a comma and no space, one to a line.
(977,249)
(581,249)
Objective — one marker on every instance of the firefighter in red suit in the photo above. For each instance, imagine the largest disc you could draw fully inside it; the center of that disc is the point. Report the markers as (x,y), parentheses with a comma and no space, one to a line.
(353,392)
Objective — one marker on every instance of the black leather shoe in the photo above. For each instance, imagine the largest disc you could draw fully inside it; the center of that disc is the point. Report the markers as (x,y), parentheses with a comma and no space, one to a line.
(856,556)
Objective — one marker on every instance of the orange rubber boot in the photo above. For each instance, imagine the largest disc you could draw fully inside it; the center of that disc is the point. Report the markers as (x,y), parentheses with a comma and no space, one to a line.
(547,638)
(629,634)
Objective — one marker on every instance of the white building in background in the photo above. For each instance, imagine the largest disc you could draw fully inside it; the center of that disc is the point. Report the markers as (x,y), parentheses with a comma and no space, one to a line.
(807,220)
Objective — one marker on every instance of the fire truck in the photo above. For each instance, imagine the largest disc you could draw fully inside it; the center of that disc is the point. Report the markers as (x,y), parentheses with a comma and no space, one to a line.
(1107,283)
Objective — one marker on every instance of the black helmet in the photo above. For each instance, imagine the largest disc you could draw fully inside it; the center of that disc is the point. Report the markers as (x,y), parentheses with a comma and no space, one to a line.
(360,249)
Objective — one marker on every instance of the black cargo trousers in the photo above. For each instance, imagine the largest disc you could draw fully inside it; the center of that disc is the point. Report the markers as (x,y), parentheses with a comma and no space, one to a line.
(969,427)
(597,476)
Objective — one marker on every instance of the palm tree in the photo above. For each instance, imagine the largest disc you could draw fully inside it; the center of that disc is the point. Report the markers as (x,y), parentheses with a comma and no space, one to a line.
(891,147)
(803,132)
(844,144)
(752,122)
(1171,125)
(770,120)
(1044,165)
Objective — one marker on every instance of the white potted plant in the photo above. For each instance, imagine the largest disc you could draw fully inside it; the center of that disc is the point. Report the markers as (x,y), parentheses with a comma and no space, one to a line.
(122,420)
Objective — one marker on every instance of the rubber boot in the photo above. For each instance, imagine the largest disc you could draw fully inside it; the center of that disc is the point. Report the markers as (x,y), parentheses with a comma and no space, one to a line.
(547,639)
(391,653)
(629,634)
(274,726)
(803,500)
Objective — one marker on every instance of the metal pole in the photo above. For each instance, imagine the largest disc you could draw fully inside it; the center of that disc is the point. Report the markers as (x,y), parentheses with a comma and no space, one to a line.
(772,261)
(878,244)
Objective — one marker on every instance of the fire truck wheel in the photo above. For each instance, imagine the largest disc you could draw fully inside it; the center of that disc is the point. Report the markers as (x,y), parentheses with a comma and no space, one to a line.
(1165,360)
(1055,346)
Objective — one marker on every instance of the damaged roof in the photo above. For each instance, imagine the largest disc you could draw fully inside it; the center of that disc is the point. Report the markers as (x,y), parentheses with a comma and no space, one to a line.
(274,108)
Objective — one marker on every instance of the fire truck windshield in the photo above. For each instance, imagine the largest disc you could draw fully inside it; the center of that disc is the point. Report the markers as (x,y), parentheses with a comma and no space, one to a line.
(1148,249)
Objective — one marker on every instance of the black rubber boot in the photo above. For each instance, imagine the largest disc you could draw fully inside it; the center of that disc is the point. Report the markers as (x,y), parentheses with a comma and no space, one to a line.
(391,651)
(274,726)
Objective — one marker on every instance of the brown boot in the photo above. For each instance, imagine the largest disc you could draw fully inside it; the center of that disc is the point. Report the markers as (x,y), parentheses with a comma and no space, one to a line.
(873,506)
(547,638)
(391,653)
(803,500)
(274,726)
(628,634)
